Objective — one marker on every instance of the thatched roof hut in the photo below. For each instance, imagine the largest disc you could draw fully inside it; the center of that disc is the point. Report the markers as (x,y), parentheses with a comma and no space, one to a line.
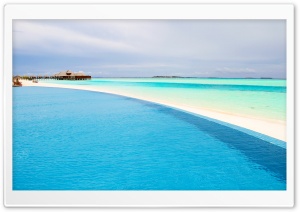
(69,75)
(16,81)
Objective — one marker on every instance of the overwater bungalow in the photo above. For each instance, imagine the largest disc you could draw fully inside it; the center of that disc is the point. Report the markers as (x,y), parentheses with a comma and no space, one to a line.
(69,75)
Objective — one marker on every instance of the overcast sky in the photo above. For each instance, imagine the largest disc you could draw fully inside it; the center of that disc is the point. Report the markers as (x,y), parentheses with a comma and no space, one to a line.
(145,48)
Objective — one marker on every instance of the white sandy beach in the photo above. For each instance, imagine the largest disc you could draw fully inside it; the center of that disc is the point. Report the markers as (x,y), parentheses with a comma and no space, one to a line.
(267,127)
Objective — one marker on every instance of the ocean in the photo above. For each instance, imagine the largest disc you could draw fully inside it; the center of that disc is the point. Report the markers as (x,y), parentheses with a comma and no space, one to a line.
(255,98)
(65,139)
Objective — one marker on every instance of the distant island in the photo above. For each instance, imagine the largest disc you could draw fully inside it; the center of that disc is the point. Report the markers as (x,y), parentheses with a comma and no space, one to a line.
(167,77)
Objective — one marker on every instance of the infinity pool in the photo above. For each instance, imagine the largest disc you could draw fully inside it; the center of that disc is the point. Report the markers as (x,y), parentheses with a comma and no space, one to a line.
(67,139)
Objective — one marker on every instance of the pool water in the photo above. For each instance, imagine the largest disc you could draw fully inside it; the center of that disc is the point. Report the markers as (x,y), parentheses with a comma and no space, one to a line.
(66,139)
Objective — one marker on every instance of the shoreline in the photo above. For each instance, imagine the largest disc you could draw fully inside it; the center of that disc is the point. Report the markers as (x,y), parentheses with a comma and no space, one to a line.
(274,129)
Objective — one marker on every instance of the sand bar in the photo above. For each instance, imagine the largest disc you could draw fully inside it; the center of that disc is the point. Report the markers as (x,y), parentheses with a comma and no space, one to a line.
(275,129)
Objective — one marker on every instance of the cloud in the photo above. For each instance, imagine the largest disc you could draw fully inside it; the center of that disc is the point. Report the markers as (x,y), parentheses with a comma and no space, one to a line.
(35,38)
(149,65)
(235,70)
(205,40)
(191,47)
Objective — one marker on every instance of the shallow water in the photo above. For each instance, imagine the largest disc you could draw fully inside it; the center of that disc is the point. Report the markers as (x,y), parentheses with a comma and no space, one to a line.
(256,98)
(80,140)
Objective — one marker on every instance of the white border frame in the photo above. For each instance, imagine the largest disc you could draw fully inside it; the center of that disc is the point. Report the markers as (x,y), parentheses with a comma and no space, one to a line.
(147,198)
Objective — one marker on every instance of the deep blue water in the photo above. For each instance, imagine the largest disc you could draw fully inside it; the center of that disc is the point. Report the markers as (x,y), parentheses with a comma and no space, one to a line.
(79,140)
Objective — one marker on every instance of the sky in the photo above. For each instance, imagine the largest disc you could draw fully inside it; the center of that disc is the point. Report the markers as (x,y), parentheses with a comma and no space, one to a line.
(146,48)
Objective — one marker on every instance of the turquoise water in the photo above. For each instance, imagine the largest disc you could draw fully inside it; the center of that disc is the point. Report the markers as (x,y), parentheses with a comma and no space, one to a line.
(256,98)
(67,139)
